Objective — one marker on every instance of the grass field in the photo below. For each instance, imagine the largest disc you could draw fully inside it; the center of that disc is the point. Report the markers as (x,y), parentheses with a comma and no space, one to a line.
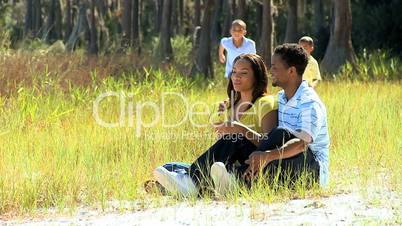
(54,154)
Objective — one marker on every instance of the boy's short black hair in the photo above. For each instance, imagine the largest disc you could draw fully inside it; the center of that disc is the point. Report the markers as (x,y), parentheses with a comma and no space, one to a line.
(294,56)
(307,39)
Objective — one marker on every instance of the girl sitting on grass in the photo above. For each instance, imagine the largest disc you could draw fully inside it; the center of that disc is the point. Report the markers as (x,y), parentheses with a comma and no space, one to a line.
(250,115)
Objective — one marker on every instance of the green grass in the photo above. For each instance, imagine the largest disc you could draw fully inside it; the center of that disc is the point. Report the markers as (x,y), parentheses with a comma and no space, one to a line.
(54,154)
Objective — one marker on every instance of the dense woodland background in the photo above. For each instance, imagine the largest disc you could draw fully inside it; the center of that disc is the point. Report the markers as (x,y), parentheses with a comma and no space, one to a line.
(342,29)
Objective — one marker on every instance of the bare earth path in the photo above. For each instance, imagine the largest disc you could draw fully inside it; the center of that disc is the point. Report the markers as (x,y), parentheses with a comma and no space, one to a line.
(341,209)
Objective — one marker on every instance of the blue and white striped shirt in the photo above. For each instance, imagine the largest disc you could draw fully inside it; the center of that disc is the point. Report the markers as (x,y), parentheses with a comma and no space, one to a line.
(305,112)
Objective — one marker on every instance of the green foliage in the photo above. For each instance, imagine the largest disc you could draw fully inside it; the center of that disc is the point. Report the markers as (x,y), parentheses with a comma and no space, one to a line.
(6,24)
(378,65)
(182,49)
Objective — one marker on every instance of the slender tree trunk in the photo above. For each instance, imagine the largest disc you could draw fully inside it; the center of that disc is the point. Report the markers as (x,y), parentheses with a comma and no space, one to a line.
(48,35)
(33,18)
(53,26)
(241,10)
(340,49)
(59,22)
(301,11)
(93,41)
(227,15)
(158,18)
(37,17)
(126,22)
(318,15)
(165,46)
(28,19)
(181,17)
(203,60)
(69,19)
(175,20)
(291,25)
(101,6)
(81,28)
(103,31)
(259,21)
(216,29)
(234,8)
(267,32)
(75,13)
(197,13)
(136,26)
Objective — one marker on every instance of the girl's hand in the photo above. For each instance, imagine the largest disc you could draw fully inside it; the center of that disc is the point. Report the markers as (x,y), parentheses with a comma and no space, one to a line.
(222,106)
(224,128)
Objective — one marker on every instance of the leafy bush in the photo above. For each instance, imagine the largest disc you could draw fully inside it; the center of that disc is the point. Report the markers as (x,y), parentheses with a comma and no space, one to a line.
(378,65)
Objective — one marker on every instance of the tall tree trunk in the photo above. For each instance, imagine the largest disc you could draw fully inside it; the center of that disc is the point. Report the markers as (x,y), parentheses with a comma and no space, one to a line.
(101,6)
(181,17)
(216,29)
(33,18)
(340,49)
(37,17)
(301,11)
(126,23)
(318,15)
(136,26)
(175,20)
(203,60)
(53,26)
(48,35)
(81,28)
(158,14)
(28,18)
(241,10)
(93,41)
(234,8)
(259,21)
(291,25)
(227,15)
(69,20)
(103,31)
(165,47)
(197,13)
(267,32)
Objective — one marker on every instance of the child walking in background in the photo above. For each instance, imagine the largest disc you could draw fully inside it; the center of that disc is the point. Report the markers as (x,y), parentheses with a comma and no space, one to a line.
(235,45)
(312,72)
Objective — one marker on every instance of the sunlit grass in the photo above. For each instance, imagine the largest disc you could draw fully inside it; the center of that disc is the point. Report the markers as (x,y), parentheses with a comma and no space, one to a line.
(53,153)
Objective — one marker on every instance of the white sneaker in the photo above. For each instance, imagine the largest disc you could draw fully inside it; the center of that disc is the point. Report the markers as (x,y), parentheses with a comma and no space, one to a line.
(180,184)
(223,180)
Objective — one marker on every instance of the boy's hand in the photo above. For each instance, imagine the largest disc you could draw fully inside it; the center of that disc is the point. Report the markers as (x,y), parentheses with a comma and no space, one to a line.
(257,161)
(222,58)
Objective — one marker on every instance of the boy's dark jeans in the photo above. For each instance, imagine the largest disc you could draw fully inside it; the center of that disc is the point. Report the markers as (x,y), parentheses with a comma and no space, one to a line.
(234,149)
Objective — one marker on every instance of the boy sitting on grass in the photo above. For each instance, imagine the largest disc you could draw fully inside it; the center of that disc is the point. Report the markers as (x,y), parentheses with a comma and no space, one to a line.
(299,145)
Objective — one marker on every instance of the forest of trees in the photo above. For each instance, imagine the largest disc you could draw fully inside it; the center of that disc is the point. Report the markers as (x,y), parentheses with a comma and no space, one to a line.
(341,28)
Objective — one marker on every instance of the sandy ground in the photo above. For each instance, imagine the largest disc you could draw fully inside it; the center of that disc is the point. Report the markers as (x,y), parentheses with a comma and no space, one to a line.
(341,209)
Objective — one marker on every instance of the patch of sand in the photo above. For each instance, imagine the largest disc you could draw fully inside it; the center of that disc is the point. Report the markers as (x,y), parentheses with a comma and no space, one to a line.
(341,209)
